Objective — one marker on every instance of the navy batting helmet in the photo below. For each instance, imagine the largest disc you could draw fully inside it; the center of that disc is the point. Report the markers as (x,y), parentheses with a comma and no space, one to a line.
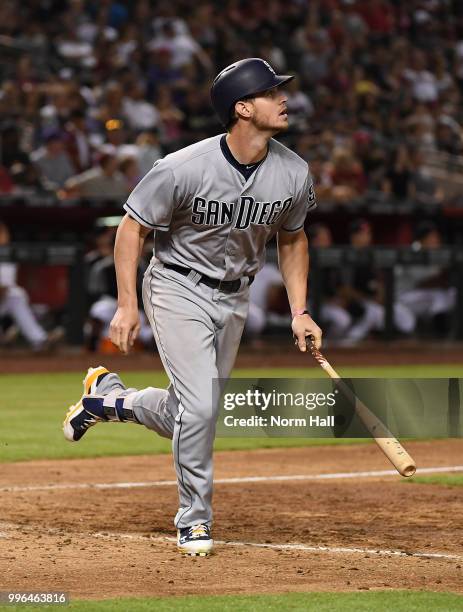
(240,80)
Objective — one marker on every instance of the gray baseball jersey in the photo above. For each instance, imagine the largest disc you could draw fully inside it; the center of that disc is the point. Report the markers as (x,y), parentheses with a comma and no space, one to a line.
(210,218)
(215,217)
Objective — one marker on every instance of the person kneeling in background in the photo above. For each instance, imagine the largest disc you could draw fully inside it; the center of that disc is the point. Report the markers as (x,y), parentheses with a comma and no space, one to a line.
(14,304)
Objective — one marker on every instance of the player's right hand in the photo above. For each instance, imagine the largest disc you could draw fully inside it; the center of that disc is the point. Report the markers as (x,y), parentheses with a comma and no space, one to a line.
(303,326)
(124,327)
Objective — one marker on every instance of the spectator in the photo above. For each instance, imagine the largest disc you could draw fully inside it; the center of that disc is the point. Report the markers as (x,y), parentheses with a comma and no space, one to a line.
(11,151)
(181,46)
(369,149)
(421,127)
(102,247)
(300,107)
(115,138)
(111,107)
(423,82)
(27,179)
(199,119)
(316,53)
(423,187)
(71,48)
(347,174)
(397,179)
(424,289)
(127,44)
(104,180)
(170,116)
(322,178)
(53,161)
(140,114)
(128,167)
(378,16)
(11,101)
(363,292)
(444,80)
(148,150)
(161,73)
(77,141)
(448,136)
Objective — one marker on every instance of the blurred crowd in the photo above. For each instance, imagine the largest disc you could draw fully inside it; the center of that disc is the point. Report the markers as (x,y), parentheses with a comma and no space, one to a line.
(92,92)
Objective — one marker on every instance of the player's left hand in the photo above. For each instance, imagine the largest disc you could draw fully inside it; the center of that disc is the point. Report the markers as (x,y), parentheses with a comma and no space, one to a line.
(303,326)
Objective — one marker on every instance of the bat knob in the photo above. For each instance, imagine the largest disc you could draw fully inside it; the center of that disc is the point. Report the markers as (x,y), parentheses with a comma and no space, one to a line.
(310,343)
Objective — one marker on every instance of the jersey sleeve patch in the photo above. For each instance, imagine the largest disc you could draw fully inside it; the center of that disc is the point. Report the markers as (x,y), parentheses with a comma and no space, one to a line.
(303,202)
(311,200)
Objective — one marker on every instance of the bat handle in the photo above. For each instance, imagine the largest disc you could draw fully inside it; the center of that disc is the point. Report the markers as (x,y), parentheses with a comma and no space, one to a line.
(310,341)
(316,354)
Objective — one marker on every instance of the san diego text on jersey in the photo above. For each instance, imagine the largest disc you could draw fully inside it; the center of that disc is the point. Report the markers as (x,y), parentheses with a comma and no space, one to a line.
(249,211)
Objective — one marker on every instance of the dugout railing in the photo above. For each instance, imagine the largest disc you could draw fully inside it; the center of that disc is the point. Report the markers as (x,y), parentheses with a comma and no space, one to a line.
(384,259)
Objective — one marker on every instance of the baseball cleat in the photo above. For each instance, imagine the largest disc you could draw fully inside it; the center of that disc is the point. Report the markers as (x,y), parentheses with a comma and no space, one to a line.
(195,541)
(79,417)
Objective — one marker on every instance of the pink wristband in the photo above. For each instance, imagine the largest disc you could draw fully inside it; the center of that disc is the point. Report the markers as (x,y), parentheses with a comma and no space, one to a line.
(299,312)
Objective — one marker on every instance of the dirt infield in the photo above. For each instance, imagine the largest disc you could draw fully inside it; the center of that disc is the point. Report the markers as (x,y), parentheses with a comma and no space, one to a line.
(61,530)
(98,528)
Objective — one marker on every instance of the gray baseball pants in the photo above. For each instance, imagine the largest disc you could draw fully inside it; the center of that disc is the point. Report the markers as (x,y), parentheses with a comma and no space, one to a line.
(197,330)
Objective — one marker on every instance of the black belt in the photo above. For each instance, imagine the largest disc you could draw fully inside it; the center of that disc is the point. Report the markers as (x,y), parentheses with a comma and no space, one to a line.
(214,283)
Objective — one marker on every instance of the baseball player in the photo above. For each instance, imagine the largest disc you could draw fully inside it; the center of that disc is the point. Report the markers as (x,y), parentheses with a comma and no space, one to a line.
(14,301)
(213,206)
(424,289)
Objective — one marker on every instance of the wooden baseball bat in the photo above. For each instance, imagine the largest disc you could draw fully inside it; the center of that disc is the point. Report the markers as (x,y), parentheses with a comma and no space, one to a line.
(390,446)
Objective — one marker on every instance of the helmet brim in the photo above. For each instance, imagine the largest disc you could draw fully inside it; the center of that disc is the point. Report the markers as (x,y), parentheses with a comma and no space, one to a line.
(277,80)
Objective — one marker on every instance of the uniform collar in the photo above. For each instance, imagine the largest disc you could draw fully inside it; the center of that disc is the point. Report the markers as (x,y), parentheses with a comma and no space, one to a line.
(245,169)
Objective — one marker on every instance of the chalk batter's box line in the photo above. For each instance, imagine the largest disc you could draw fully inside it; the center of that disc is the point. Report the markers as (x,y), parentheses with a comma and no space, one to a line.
(291,546)
(271,546)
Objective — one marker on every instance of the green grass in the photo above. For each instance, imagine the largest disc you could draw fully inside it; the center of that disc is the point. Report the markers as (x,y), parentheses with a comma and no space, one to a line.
(33,406)
(448,480)
(402,371)
(380,601)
